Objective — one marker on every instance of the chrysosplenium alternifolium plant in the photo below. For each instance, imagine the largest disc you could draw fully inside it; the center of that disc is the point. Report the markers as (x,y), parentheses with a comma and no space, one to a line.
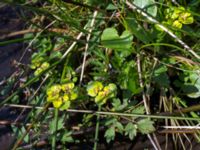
(61,95)
(39,64)
(100,92)
(177,16)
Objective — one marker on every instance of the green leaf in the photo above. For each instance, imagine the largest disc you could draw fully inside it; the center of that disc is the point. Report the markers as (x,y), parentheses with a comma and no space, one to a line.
(145,126)
(60,124)
(119,127)
(66,137)
(160,76)
(131,130)
(20,133)
(139,110)
(189,82)
(55,54)
(111,7)
(110,121)
(192,89)
(117,105)
(128,78)
(111,39)
(148,5)
(137,30)
(110,134)
(65,106)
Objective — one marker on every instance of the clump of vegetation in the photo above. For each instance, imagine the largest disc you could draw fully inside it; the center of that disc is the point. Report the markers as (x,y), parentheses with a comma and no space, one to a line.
(115,68)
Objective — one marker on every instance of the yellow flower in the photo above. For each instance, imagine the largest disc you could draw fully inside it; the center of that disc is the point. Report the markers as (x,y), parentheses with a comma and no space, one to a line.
(38,71)
(94,88)
(109,91)
(41,68)
(73,95)
(36,62)
(186,18)
(54,90)
(52,98)
(53,93)
(67,87)
(61,95)
(57,103)
(177,24)
(177,12)
(65,97)
(101,98)
(44,66)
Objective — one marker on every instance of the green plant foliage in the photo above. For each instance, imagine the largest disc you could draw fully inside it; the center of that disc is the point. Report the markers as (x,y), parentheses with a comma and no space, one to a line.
(101,94)
(100,66)
(20,133)
(117,105)
(190,82)
(131,130)
(137,30)
(177,16)
(139,110)
(148,5)
(160,76)
(145,126)
(111,39)
(94,88)
(62,95)
(110,134)
(66,137)
(60,124)
(128,77)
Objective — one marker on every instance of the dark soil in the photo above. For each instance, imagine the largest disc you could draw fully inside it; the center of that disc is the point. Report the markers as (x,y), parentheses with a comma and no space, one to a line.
(9,22)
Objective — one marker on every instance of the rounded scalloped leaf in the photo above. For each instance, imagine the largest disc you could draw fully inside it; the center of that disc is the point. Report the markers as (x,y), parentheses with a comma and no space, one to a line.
(147,5)
(111,39)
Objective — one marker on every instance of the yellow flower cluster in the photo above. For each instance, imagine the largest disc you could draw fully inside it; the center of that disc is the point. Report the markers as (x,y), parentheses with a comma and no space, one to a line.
(39,64)
(61,95)
(101,93)
(177,16)
(43,67)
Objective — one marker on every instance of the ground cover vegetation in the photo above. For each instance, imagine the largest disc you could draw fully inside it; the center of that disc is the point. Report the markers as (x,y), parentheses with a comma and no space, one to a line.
(106,68)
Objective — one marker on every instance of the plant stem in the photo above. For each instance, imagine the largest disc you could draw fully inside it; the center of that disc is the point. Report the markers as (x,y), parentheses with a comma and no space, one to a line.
(97,130)
(113,113)
(55,129)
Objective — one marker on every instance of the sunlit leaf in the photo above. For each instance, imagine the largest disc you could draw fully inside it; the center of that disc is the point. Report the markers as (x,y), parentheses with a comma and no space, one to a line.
(111,39)
(131,130)
(110,134)
(145,126)
(148,5)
